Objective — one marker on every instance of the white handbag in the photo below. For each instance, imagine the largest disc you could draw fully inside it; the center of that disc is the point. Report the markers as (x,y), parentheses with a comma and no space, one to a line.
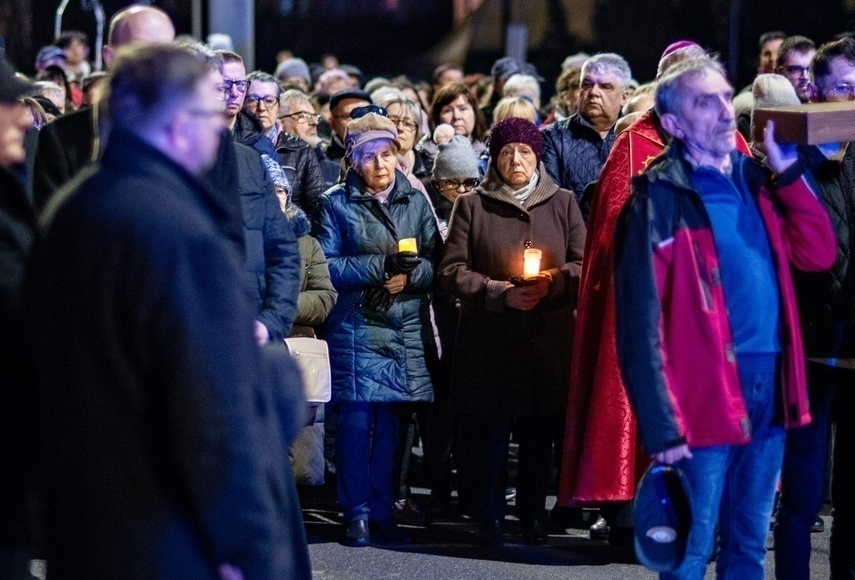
(313,358)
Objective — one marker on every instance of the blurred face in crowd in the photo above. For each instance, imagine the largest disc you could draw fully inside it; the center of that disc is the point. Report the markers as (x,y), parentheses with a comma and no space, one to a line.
(406,125)
(839,84)
(452,75)
(234,81)
(14,121)
(76,52)
(460,115)
(340,116)
(795,66)
(516,164)
(769,56)
(601,97)
(199,124)
(705,121)
(376,164)
(262,99)
(300,120)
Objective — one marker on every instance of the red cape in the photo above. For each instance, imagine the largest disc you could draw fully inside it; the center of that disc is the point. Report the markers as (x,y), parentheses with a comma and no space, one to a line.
(602,458)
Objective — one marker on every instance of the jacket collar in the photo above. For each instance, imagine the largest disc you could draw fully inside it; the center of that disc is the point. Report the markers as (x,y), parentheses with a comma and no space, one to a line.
(495,188)
(673,168)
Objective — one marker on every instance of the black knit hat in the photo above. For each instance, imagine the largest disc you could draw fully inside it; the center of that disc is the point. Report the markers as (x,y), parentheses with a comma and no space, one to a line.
(515,130)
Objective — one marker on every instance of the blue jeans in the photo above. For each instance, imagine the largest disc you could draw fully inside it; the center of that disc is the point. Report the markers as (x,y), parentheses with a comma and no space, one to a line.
(802,476)
(734,486)
(367,436)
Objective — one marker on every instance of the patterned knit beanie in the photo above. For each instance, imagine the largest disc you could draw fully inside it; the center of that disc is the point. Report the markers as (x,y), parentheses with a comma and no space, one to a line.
(456,160)
(514,130)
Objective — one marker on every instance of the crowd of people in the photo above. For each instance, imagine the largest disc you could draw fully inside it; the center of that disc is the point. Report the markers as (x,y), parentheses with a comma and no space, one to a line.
(630,272)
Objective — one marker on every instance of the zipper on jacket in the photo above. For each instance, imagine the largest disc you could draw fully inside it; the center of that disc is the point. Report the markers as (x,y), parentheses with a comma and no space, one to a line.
(704,277)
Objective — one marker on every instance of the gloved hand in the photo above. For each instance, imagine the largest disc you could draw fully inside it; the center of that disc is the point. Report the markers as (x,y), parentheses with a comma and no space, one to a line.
(377,298)
(401,263)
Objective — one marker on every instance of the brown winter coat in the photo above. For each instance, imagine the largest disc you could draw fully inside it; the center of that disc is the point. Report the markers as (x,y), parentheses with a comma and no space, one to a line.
(510,362)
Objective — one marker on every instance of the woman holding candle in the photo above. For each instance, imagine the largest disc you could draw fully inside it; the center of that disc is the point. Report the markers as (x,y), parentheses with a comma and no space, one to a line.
(379,327)
(513,342)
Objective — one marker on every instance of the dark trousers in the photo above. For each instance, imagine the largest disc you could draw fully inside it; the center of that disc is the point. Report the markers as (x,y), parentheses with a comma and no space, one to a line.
(483,448)
(367,438)
(805,454)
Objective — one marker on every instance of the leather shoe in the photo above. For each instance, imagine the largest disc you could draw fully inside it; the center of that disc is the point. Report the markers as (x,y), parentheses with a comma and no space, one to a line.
(818,526)
(599,530)
(534,532)
(357,534)
(387,533)
(490,534)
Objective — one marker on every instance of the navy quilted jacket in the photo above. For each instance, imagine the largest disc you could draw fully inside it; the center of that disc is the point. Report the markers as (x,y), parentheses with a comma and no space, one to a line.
(574,154)
(377,355)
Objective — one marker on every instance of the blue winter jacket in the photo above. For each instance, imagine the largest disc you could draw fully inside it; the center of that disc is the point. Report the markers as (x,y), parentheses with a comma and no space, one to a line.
(377,355)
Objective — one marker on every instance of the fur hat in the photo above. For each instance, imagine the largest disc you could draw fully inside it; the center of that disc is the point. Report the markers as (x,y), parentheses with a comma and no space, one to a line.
(367,128)
(515,130)
(456,160)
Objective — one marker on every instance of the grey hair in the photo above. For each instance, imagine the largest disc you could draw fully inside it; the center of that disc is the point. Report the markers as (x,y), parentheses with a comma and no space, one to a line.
(258,76)
(292,96)
(690,52)
(204,52)
(669,86)
(609,62)
(408,106)
(521,81)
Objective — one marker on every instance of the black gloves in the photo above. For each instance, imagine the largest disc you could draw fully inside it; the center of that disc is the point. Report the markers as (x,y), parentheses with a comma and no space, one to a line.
(377,298)
(401,263)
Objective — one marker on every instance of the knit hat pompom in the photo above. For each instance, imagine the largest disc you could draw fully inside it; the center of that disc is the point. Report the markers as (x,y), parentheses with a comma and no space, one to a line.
(515,130)
(456,160)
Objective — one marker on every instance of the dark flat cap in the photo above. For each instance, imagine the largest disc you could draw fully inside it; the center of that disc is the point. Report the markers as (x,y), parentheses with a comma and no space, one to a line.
(348,94)
(11,86)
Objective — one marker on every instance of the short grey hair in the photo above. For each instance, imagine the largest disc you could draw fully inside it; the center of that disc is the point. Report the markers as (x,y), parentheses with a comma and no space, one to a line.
(409,106)
(212,58)
(521,81)
(669,86)
(691,52)
(609,62)
(258,76)
(293,96)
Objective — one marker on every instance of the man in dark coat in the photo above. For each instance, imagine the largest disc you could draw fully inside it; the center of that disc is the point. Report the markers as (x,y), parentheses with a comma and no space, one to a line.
(68,144)
(576,148)
(17,226)
(163,454)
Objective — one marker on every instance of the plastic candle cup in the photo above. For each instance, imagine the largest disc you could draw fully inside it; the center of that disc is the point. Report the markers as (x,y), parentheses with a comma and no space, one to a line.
(531,265)
(407,245)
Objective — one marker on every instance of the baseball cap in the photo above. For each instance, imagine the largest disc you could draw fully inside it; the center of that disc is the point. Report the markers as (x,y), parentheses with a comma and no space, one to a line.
(663,518)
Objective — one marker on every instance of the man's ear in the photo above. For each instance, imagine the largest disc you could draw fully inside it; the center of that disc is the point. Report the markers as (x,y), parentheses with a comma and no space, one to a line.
(626,96)
(671,124)
(107,56)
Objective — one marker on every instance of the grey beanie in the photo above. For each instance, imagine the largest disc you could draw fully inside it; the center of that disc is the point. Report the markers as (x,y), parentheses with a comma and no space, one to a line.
(293,67)
(456,160)
(771,90)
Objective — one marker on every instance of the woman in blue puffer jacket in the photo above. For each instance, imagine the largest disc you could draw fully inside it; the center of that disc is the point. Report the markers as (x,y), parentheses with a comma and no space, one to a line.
(380,326)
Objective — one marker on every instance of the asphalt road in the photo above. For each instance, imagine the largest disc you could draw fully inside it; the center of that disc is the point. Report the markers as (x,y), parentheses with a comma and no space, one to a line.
(445,550)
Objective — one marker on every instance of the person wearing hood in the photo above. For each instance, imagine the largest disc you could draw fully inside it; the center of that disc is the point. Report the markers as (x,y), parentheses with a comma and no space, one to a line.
(511,362)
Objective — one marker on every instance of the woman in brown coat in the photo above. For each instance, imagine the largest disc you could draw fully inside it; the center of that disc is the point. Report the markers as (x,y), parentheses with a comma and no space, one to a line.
(512,351)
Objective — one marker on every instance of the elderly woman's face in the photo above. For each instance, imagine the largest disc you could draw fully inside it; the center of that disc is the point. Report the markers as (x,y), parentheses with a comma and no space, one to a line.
(460,115)
(376,165)
(263,100)
(516,164)
(405,124)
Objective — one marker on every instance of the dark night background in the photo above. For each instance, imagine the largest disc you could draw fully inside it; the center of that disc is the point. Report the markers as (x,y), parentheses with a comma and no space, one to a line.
(387,41)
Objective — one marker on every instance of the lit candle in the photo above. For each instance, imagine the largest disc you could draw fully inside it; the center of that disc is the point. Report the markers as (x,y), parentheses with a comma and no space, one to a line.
(531,265)
(407,245)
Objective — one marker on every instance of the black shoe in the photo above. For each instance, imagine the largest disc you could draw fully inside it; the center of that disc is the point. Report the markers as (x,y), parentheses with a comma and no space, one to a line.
(534,532)
(387,533)
(818,526)
(490,534)
(357,534)
(438,509)
(600,530)
(622,537)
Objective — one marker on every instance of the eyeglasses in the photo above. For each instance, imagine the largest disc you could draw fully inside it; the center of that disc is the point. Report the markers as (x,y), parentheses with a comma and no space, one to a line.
(302,117)
(841,91)
(241,86)
(254,100)
(454,184)
(359,112)
(404,123)
(796,70)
